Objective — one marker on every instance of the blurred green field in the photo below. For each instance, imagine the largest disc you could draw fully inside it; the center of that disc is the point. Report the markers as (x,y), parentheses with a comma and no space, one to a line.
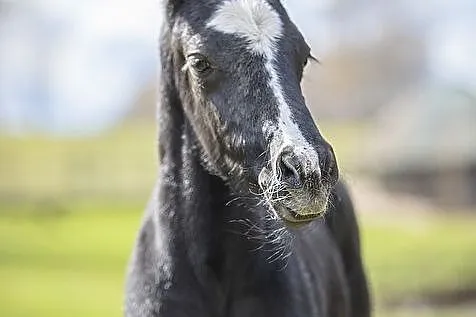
(119,164)
(74,264)
(70,210)
(71,265)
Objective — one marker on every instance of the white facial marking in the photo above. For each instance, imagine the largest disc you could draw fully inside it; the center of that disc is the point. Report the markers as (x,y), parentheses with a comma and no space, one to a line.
(260,25)
(254,20)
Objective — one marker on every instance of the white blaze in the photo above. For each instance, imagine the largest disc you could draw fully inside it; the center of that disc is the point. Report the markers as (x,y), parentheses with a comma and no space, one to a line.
(260,25)
(254,20)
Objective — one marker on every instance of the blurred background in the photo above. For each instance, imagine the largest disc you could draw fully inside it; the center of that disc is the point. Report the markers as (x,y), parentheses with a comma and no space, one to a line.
(395,93)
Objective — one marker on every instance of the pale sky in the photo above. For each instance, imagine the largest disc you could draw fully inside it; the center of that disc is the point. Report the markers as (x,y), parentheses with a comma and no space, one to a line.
(76,66)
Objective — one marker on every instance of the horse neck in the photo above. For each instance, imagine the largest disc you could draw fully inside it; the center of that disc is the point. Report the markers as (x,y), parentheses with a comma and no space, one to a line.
(198,209)
(206,235)
(191,199)
(193,203)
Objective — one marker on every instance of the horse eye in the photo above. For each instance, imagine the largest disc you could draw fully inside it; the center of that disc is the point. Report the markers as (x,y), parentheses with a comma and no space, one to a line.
(200,64)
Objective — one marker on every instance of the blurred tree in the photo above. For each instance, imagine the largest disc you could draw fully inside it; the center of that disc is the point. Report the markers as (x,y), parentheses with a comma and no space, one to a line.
(424,145)
(355,80)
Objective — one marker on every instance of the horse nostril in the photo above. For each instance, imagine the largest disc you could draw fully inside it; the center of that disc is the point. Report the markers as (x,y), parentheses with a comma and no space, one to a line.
(290,169)
(330,166)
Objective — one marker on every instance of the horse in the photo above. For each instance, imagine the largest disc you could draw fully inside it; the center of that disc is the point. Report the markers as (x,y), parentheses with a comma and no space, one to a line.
(248,216)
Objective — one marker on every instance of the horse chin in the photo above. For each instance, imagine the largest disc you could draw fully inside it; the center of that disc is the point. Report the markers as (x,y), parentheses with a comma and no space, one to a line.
(296,213)
(300,217)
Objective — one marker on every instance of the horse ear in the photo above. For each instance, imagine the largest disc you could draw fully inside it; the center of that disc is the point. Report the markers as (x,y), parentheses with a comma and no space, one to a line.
(174,2)
(172,6)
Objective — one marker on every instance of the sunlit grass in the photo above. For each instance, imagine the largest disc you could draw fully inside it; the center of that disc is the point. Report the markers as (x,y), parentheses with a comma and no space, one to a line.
(67,265)
(40,168)
(121,161)
(408,259)
(74,264)
(70,210)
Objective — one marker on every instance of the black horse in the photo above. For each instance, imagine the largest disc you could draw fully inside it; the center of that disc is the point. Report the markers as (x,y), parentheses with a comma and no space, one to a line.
(248,217)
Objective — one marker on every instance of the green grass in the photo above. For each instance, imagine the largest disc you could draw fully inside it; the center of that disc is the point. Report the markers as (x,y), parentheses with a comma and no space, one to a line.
(74,264)
(71,265)
(120,163)
(70,210)
(40,168)
(405,259)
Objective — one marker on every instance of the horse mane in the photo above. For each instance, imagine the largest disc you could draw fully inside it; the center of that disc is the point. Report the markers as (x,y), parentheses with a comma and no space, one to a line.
(170,113)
